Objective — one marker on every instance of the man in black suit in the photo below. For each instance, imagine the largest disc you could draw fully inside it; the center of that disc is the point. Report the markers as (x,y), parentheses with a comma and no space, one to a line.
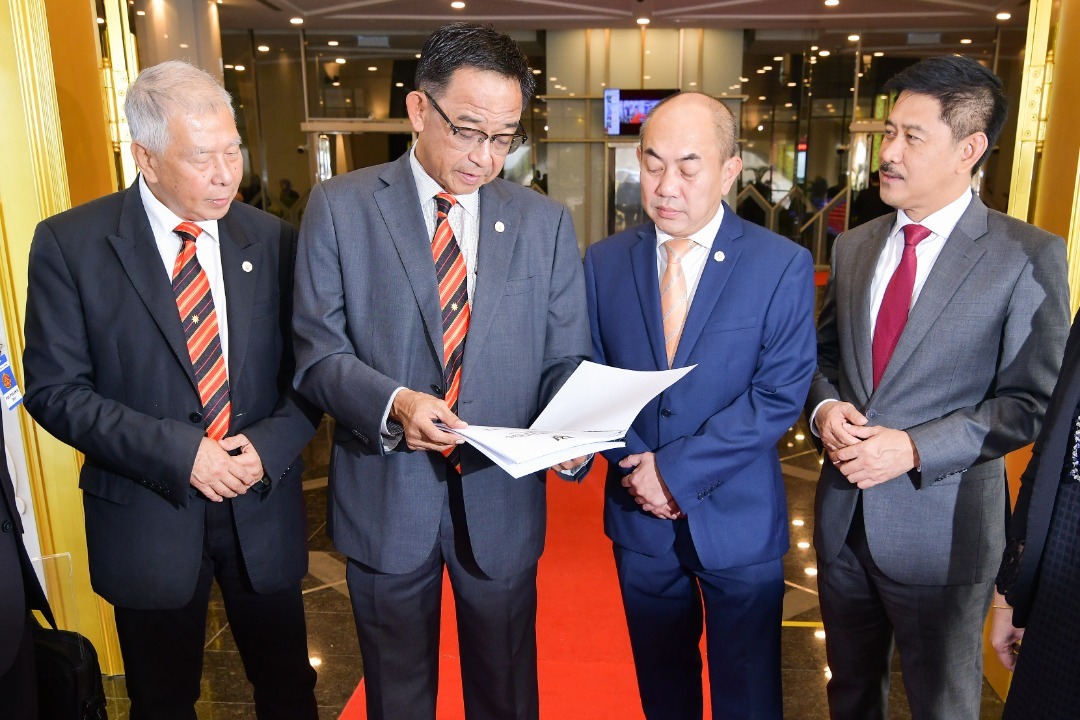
(158,344)
(19,591)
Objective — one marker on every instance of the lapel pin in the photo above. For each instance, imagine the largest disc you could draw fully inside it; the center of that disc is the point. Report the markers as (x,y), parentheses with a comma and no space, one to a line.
(246,266)
(719,256)
(499,227)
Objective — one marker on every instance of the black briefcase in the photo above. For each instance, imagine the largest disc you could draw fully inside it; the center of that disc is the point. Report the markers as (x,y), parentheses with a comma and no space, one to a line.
(68,674)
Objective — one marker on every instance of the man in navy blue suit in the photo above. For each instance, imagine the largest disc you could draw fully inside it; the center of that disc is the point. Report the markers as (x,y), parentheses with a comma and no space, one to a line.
(695,502)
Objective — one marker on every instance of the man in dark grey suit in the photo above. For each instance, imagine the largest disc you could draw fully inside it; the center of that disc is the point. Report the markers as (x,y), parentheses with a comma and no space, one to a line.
(401,265)
(19,592)
(938,344)
(158,344)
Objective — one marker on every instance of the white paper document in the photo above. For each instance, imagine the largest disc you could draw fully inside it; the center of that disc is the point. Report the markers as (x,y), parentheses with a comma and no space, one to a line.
(591,412)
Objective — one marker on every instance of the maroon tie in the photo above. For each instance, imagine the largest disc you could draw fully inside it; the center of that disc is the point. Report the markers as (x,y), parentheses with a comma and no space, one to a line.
(893,314)
(454,302)
(196,307)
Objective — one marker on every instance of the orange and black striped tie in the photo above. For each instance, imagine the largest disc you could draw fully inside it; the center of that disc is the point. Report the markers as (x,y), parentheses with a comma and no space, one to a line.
(454,302)
(196,307)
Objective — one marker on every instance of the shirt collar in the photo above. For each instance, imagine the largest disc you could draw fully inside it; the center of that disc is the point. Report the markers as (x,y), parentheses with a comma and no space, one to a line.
(427,187)
(163,221)
(942,222)
(703,237)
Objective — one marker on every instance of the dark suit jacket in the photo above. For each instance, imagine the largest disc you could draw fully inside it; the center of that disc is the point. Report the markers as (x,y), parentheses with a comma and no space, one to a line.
(750,331)
(1040,481)
(19,588)
(969,381)
(367,321)
(108,372)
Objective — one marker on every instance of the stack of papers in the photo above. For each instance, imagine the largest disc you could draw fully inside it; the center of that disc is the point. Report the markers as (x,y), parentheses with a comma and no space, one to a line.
(592,412)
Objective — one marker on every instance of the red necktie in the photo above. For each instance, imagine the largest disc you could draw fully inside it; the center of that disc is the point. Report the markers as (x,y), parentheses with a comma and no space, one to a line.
(196,307)
(893,314)
(454,303)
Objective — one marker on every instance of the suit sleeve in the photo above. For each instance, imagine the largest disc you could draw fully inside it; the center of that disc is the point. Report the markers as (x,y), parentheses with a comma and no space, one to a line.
(1032,343)
(826,382)
(280,437)
(566,341)
(60,392)
(328,371)
(749,426)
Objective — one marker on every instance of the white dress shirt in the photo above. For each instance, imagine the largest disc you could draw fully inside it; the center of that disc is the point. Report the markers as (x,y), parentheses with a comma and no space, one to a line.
(940,224)
(207,249)
(693,262)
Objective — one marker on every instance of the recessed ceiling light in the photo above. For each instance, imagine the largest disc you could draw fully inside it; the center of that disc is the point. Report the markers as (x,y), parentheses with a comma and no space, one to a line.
(417,56)
(788,105)
(263,48)
(336,83)
(240,68)
(760,128)
(692,84)
(184,46)
(140,13)
(791,84)
(760,97)
(643,21)
(372,68)
(853,38)
(813,48)
(332,43)
(339,61)
(879,54)
(832,3)
(552,78)
(761,71)
(824,53)
(229,67)
(742,79)
(778,58)
(1003,15)
(458,5)
(399,84)
(965,41)
(296,20)
(101,21)
(646,77)
(537,71)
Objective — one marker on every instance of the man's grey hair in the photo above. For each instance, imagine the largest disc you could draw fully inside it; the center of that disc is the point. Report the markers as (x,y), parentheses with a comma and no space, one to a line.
(167,90)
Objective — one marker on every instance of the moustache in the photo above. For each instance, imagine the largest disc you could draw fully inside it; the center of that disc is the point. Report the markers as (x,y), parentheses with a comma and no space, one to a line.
(888,167)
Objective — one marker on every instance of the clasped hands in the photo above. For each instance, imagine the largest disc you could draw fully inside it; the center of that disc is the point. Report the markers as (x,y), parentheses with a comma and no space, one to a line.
(418,413)
(646,485)
(866,455)
(219,474)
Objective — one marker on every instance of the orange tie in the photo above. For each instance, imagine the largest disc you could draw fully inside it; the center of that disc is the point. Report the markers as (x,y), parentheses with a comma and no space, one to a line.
(196,307)
(674,303)
(454,303)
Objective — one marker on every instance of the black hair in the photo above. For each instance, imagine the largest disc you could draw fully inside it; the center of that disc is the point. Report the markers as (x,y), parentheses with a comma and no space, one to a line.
(971,97)
(468,45)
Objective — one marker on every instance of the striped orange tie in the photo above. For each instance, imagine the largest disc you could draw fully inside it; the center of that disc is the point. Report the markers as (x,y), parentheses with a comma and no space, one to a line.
(196,307)
(454,302)
(674,303)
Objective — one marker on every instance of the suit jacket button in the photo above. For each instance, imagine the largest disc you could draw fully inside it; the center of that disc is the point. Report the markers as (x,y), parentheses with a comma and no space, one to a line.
(6,526)
(665,413)
(436,389)
(195,417)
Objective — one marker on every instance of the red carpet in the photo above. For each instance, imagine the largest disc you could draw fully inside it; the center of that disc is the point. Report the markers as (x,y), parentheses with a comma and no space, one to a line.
(586,671)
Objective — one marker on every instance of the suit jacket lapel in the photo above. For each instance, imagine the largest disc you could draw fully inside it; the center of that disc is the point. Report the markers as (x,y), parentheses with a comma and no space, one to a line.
(236,250)
(400,209)
(494,250)
(643,262)
(959,255)
(864,261)
(137,251)
(714,277)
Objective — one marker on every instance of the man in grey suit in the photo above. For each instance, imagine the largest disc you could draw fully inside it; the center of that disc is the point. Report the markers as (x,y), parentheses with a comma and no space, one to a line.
(938,344)
(428,290)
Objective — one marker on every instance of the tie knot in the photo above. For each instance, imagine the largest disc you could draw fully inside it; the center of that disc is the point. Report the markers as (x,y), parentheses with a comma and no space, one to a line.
(677,247)
(188,230)
(915,234)
(445,201)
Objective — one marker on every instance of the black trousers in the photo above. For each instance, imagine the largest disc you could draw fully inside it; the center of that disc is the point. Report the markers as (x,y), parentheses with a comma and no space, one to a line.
(398,616)
(163,649)
(18,686)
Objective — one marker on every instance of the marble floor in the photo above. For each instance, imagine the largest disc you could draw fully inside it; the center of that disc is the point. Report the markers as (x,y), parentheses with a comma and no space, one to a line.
(334,650)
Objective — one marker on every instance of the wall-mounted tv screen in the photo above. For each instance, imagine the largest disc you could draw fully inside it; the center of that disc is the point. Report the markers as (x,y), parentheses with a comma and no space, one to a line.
(624,110)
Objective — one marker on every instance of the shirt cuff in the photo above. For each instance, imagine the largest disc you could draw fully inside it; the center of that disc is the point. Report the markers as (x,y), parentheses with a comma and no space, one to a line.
(813,415)
(391,430)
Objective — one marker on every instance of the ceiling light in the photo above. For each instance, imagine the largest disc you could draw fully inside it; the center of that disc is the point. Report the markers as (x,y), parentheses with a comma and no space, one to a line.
(761,71)
(296,20)
(183,46)
(693,84)
(1003,16)
(417,56)
(824,53)
(742,79)
(336,83)
(965,41)
(643,21)
(458,5)
(766,68)
(788,105)
(813,48)
(339,61)
(646,77)
(537,71)
(552,78)
(853,38)
(372,68)
(263,48)
(879,54)
(791,84)
(333,43)
(761,97)
(778,58)
(140,13)
(229,67)
(101,21)
(832,3)
(239,68)
(399,84)
(760,128)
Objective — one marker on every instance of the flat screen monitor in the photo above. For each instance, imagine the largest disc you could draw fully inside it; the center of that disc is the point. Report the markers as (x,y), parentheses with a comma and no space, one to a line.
(624,110)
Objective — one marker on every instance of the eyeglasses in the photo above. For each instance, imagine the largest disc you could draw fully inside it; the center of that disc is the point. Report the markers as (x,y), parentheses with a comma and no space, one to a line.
(466,139)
